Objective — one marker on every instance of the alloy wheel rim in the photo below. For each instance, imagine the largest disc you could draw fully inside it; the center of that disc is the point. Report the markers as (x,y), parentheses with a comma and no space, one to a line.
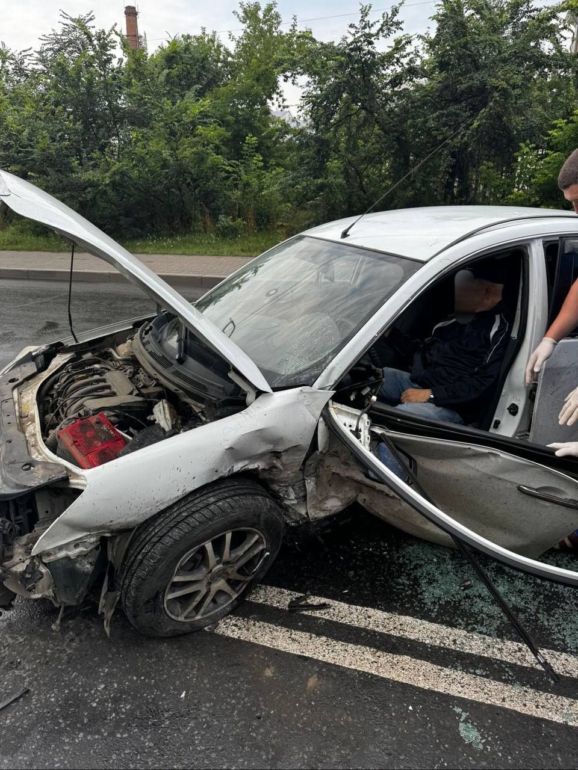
(211,576)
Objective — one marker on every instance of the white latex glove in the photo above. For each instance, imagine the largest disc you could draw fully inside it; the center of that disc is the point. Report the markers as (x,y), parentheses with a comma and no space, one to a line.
(569,412)
(536,360)
(568,449)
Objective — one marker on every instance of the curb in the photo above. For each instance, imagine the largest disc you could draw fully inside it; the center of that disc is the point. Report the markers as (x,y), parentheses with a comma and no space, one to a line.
(93,276)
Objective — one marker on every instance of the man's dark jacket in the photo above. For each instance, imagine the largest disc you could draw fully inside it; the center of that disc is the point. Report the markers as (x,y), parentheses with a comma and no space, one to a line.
(461,360)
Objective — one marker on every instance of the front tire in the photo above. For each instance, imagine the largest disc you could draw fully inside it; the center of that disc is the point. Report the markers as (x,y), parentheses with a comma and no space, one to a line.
(192,564)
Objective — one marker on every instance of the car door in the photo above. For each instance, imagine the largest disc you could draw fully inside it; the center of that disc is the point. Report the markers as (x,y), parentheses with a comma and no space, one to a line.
(559,374)
(510,499)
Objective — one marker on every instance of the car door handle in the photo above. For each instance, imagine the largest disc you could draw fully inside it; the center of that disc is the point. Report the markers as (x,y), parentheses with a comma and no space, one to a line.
(564,501)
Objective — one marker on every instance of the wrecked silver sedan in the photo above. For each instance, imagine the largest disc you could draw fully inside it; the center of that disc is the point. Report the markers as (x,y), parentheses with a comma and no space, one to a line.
(158,462)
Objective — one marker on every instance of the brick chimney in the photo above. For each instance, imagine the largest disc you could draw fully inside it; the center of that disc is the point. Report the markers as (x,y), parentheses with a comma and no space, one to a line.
(131,14)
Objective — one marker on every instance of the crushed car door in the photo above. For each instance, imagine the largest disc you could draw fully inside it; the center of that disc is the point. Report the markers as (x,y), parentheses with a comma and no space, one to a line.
(510,505)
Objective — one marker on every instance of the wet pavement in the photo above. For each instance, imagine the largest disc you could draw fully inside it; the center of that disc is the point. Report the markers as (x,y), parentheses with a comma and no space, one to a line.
(412,666)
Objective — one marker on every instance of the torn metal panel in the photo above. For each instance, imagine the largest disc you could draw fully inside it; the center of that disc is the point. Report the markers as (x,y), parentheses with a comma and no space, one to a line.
(24,575)
(328,478)
(75,550)
(30,576)
(335,480)
(20,472)
(271,436)
(110,593)
(291,497)
(109,598)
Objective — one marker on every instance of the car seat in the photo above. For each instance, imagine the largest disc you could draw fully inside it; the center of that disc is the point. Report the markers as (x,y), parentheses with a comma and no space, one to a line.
(487,403)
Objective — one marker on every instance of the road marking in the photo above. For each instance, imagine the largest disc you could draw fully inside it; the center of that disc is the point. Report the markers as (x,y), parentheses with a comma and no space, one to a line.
(403,669)
(417,630)
(34,301)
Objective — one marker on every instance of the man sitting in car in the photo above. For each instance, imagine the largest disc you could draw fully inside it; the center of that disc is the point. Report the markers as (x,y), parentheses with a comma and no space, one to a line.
(456,367)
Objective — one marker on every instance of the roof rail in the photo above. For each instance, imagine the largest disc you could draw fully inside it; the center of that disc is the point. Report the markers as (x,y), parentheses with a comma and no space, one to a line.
(501,222)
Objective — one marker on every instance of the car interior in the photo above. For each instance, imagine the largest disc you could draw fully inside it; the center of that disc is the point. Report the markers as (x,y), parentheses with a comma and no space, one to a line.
(431,307)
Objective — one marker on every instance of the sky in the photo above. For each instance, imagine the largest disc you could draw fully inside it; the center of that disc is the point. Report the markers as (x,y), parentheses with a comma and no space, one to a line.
(23,22)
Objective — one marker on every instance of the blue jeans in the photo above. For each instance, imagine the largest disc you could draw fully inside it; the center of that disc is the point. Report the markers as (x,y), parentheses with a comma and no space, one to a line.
(395,382)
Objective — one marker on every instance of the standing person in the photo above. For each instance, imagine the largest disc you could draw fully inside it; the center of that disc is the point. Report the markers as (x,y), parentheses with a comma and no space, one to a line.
(567,318)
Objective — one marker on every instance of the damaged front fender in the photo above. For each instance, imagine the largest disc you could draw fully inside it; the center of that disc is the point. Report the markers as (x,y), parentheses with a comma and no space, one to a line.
(271,437)
(63,575)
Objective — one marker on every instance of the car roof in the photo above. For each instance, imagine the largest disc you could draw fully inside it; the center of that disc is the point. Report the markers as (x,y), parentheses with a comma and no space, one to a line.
(423,232)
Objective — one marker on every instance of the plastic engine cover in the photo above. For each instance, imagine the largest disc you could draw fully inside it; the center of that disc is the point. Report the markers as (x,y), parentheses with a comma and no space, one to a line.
(90,442)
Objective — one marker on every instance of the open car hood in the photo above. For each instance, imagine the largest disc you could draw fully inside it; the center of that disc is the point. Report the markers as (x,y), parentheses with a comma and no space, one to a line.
(31,202)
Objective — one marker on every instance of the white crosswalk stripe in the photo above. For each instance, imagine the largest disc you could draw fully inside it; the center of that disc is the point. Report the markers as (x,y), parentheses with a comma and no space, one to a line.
(405,669)
(421,631)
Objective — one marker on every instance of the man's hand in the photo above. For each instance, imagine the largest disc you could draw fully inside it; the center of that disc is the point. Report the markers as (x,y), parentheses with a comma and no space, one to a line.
(536,360)
(566,449)
(415,396)
(569,413)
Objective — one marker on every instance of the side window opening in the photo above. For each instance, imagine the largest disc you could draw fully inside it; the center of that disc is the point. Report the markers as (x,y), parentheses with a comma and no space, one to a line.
(566,272)
(416,323)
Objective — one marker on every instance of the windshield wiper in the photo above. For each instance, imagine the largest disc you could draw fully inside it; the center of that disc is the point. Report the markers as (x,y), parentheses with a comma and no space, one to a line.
(230,321)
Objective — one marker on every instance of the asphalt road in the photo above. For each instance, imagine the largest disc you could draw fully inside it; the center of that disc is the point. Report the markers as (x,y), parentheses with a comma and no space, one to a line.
(412,666)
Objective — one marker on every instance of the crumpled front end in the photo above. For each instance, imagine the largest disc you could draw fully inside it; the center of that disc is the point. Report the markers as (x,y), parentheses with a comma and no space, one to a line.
(269,438)
(33,488)
(56,518)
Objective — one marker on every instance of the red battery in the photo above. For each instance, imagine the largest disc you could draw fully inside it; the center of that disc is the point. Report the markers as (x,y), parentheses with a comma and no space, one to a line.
(90,441)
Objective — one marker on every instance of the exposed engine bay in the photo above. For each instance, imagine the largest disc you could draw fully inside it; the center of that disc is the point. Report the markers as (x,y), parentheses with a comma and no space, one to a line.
(94,408)
(106,403)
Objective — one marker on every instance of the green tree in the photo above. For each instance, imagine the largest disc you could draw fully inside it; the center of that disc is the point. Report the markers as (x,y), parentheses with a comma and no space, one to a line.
(186,138)
(537,168)
(357,101)
(503,70)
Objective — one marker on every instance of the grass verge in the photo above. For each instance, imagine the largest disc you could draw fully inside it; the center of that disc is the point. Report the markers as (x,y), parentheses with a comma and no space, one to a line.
(14,237)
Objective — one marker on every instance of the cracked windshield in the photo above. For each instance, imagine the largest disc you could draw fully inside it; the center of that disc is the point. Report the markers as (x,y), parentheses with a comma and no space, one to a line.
(296,306)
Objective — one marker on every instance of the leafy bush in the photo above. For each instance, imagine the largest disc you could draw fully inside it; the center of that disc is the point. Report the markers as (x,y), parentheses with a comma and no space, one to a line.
(228,228)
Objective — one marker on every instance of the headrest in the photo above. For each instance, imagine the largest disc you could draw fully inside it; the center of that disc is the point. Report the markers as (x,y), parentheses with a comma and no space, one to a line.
(494,272)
